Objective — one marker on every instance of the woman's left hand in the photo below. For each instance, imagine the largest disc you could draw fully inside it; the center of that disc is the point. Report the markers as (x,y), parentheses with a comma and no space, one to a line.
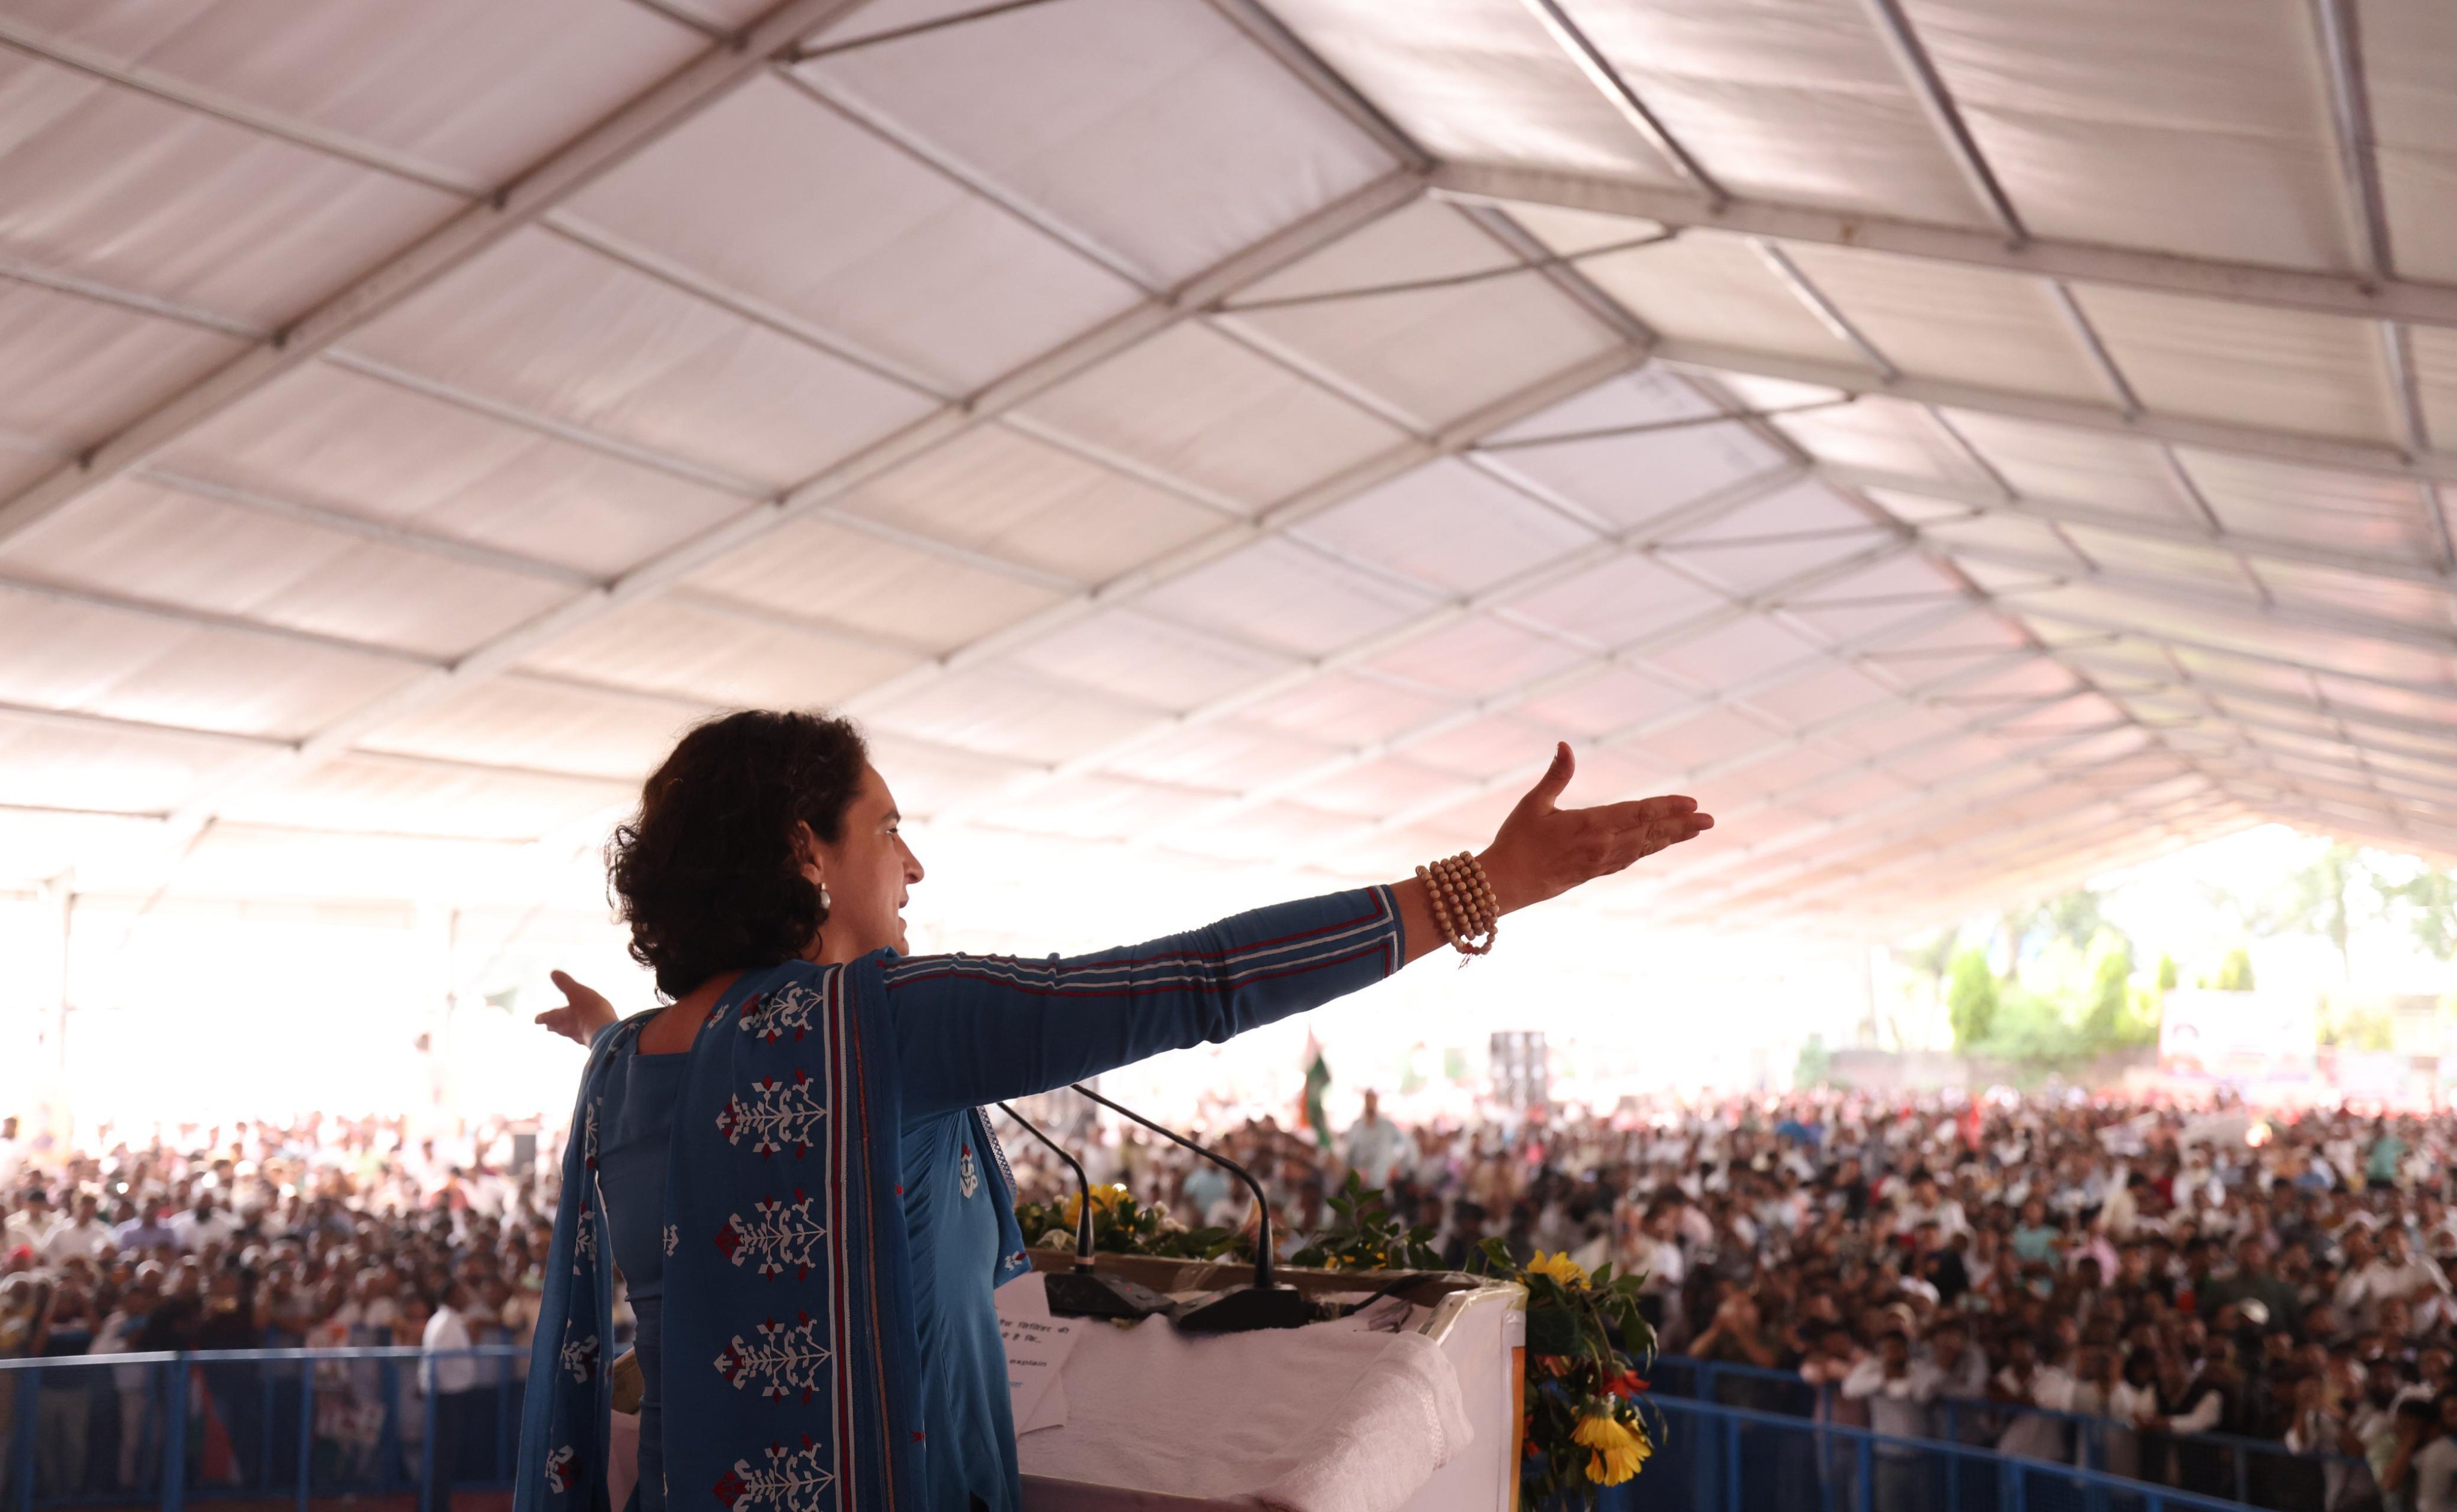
(1545,850)
(584,1012)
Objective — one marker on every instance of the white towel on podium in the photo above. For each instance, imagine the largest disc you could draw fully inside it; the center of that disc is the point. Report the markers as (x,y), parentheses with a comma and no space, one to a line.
(1314,1420)
(1399,1423)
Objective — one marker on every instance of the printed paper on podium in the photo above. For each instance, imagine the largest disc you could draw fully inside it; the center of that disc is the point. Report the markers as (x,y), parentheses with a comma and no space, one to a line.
(1037,1347)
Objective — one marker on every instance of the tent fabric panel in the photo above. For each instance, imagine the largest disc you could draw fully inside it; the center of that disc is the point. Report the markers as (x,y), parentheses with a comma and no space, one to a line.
(1214,417)
(1156,130)
(2199,127)
(330,438)
(771,195)
(1477,81)
(191,208)
(541,324)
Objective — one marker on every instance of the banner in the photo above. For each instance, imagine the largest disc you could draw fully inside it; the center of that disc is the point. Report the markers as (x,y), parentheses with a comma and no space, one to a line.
(2264,1036)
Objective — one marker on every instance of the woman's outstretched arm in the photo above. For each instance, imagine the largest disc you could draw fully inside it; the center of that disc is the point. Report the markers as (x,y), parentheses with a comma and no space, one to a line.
(973,1029)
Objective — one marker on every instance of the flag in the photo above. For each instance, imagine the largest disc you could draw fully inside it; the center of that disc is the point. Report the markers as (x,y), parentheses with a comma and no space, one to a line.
(1317,1077)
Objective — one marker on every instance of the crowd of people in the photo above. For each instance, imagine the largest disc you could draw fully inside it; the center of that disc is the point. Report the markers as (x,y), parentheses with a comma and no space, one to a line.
(325,1234)
(2143,1288)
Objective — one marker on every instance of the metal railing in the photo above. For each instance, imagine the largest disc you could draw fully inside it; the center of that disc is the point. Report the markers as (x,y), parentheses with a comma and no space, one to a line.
(1720,1459)
(2257,1471)
(263,1425)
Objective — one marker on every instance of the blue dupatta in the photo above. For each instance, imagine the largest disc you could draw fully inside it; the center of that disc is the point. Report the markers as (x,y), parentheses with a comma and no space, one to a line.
(786,1267)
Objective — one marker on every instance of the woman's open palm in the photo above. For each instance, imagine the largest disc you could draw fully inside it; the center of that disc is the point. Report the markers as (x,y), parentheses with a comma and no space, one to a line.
(1544,850)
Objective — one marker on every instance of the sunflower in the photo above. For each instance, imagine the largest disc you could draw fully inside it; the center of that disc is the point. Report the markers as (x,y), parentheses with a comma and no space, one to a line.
(1560,1267)
(1620,1448)
(1104,1199)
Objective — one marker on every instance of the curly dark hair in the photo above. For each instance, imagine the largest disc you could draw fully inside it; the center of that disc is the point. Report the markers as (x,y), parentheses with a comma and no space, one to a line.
(707,875)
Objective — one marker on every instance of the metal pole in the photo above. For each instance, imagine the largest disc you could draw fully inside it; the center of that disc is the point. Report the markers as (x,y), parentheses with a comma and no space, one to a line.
(1952,1462)
(175,1436)
(306,1427)
(2242,1469)
(21,1435)
(264,1416)
(1733,1464)
(426,1442)
(1867,1476)
(388,1440)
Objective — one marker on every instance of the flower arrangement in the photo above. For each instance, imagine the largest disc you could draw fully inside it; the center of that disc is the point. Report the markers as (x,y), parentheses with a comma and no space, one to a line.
(1123,1226)
(1585,1424)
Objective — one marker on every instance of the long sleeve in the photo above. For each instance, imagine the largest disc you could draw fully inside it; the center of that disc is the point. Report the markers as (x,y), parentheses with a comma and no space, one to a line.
(2204,1414)
(1864,1379)
(973,1029)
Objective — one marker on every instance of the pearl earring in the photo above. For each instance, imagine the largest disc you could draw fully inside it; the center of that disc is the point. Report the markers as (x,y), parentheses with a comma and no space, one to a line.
(825,901)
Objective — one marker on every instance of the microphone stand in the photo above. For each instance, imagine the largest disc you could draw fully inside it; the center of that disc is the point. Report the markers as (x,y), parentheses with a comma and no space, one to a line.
(1266,1303)
(1081,1293)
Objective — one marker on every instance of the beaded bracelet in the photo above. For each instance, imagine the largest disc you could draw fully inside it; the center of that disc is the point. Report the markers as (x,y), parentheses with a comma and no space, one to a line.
(1463,906)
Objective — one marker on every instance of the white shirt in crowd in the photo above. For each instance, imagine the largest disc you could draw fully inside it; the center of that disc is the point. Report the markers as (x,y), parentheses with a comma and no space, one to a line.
(21,1232)
(194,1233)
(1898,1404)
(446,1332)
(2029,1434)
(1374,1147)
(71,1239)
(2409,1280)
(2435,1469)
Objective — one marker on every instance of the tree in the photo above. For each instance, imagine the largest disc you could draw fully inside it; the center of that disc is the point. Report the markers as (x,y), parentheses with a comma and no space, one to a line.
(2429,902)
(2321,900)
(2077,918)
(1816,1063)
(1932,958)
(2234,972)
(1971,999)
(2167,974)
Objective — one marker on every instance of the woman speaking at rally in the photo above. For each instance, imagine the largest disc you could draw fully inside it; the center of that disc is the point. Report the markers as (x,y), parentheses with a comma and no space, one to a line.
(787,1161)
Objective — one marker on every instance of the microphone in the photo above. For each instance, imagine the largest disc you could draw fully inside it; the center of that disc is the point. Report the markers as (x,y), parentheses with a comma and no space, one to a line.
(1080,1293)
(1266,1303)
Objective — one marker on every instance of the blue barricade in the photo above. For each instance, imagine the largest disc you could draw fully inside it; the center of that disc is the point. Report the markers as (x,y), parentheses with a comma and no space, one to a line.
(2253,1472)
(259,1425)
(1718,1459)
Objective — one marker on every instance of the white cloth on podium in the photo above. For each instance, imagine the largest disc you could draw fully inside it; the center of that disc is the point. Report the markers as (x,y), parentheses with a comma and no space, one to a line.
(1325,1419)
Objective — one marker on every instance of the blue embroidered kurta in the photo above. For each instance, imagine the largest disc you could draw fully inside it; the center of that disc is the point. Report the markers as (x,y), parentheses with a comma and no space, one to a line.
(792,1374)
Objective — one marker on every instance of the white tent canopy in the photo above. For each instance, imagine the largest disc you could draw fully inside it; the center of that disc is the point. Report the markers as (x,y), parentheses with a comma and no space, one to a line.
(1969,445)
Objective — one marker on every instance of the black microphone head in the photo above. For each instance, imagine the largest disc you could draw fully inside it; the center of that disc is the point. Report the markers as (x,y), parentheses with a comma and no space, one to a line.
(1248,1310)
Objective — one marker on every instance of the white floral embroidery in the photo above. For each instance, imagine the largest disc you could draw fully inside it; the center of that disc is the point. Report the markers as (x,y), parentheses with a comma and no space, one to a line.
(787,1010)
(968,1174)
(674,1236)
(579,1357)
(558,1470)
(779,1113)
(778,1235)
(786,1360)
(791,1480)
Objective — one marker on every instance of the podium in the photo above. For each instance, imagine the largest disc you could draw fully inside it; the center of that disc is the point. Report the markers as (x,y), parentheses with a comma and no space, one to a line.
(1119,1381)
(1334,1415)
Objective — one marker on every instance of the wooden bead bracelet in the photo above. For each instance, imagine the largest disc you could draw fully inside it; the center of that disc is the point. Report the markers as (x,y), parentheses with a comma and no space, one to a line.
(1463,906)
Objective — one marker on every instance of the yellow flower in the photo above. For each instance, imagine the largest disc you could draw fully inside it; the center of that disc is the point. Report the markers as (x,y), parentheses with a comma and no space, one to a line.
(1620,1448)
(1104,1199)
(1560,1267)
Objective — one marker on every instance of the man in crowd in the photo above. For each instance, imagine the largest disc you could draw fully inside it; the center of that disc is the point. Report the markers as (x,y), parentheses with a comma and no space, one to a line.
(203,1225)
(1375,1146)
